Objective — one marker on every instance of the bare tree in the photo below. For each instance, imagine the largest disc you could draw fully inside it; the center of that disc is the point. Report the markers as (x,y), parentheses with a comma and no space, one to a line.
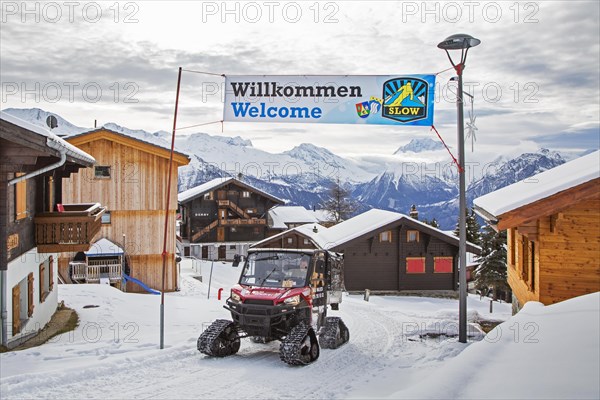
(340,205)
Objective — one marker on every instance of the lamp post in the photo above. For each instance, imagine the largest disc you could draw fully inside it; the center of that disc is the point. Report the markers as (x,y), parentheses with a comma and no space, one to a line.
(463,43)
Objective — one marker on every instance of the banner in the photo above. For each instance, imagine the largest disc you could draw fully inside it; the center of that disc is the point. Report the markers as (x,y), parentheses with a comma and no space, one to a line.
(383,99)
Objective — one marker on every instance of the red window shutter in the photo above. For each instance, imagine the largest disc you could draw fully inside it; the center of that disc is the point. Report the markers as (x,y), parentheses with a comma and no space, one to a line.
(30,295)
(443,265)
(415,265)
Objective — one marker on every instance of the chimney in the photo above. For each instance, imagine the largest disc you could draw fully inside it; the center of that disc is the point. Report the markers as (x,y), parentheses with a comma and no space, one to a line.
(414,214)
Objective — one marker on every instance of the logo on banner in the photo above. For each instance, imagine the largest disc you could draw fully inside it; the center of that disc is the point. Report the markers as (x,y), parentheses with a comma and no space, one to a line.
(405,99)
(371,107)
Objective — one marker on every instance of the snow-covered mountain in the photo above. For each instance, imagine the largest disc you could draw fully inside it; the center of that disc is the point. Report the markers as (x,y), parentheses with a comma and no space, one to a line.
(304,174)
(38,117)
(420,145)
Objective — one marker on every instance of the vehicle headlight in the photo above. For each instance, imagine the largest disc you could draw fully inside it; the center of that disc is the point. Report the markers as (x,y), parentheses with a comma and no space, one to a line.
(235,297)
(292,301)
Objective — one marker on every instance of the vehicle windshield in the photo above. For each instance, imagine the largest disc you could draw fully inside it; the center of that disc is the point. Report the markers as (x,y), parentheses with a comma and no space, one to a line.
(276,269)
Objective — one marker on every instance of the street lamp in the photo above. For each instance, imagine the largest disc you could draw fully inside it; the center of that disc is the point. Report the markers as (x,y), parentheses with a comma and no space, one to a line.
(463,43)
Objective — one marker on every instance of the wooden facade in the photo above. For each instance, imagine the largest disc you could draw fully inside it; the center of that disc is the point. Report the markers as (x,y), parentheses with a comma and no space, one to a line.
(225,211)
(556,256)
(401,255)
(553,231)
(130,179)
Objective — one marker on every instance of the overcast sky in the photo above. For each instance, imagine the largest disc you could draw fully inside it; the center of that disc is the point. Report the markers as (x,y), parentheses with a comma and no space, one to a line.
(535,76)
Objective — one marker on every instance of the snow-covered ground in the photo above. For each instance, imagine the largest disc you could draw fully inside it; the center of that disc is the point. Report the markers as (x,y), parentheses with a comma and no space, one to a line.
(114,351)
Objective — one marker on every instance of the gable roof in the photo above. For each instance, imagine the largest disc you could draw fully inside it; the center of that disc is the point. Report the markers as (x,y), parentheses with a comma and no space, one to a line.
(365,224)
(52,140)
(104,248)
(214,184)
(280,216)
(540,186)
(157,147)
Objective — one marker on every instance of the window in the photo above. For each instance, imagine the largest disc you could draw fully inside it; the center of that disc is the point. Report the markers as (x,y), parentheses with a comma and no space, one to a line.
(233,229)
(412,236)
(512,255)
(46,279)
(102,172)
(290,240)
(245,194)
(385,236)
(106,217)
(20,198)
(232,247)
(256,231)
(415,265)
(443,265)
(251,211)
(306,241)
(208,196)
(524,259)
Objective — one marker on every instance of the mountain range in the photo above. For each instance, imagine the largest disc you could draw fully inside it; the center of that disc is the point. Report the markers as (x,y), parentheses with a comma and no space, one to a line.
(304,174)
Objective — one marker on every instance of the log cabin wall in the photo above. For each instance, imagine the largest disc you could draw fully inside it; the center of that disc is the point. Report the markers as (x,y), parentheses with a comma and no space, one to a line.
(134,194)
(565,256)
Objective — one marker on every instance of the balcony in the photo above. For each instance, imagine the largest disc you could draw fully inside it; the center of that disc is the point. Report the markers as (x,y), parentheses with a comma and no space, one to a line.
(70,230)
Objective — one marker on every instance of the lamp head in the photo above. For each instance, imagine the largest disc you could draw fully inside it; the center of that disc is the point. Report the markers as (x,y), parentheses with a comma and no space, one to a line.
(458,41)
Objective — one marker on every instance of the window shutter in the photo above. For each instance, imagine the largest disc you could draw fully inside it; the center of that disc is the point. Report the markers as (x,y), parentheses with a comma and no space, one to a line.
(415,265)
(20,198)
(41,281)
(443,265)
(16,309)
(30,295)
(51,274)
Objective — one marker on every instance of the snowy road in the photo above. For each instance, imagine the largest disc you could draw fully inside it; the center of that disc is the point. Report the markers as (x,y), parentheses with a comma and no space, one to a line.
(114,351)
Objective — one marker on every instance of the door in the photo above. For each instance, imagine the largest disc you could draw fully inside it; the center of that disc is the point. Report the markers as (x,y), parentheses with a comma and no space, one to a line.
(16,307)
(220,234)
(205,252)
(222,252)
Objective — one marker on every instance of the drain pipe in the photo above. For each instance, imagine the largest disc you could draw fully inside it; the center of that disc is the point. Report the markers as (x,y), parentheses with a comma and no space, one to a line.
(3,274)
(4,314)
(63,158)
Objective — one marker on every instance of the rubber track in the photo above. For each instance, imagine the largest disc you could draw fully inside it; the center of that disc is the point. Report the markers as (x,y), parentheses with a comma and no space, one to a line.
(331,336)
(290,347)
(208,338)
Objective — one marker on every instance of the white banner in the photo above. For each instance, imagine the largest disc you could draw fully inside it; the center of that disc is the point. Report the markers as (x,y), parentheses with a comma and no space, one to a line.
(383,99)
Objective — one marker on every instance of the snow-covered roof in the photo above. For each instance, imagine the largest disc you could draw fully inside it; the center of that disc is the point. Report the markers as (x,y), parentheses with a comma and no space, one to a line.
(357,226)
(57,143)
(209,186)
(540,186)
(147,139)
(103,248)
(369,221)
(283,215)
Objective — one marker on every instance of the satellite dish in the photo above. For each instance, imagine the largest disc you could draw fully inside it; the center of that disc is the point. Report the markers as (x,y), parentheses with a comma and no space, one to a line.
(51,121)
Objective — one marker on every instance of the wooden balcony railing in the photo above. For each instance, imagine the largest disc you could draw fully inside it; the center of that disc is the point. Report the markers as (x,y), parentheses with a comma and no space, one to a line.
(251,221)
(70,230)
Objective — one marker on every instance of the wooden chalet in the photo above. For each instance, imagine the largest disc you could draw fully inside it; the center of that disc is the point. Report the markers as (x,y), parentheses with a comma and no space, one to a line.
(35,223)
(130,179)
(222,213)
(553,224)
(383,251)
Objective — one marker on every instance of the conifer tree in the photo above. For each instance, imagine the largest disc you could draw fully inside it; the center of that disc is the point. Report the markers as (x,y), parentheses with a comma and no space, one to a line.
(491,272)
(473,228)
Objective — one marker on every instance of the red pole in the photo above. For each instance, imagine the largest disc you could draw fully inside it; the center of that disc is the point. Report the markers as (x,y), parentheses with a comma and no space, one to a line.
(164,252)
(219,295)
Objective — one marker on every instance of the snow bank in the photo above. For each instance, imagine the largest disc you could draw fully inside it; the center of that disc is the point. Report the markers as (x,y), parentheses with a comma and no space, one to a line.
(542,352)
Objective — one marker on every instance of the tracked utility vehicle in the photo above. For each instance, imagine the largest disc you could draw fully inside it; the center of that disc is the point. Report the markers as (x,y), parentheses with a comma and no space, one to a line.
(283,295)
